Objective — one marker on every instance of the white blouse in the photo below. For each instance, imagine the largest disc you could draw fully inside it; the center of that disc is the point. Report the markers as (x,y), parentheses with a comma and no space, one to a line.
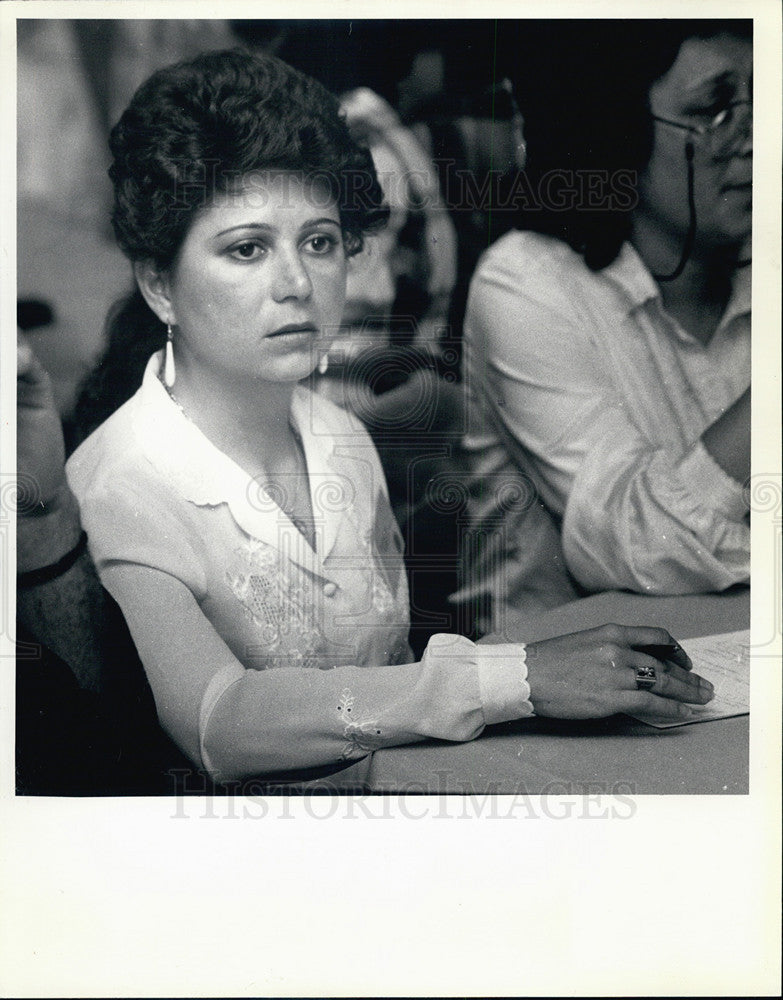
(257,646)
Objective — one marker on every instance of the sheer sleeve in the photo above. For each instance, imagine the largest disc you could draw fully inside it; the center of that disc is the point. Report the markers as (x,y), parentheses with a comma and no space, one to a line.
(237,722)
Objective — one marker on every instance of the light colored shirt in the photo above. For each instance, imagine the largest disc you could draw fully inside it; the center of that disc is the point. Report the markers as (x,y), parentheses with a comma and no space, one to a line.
(589,387)
(264,654)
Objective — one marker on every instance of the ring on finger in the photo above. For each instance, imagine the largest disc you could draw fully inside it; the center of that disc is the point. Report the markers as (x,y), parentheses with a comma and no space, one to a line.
(645,678)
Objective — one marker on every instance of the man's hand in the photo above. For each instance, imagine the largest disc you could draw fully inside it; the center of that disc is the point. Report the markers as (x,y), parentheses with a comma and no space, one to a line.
(47,513)
(66,613)
(40,452)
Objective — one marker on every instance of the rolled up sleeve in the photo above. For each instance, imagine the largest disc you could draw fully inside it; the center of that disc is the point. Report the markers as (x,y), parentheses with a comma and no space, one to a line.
(640,520)
(642,507)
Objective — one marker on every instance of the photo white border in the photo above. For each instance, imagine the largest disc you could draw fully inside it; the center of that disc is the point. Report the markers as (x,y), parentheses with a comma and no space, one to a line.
(112,897)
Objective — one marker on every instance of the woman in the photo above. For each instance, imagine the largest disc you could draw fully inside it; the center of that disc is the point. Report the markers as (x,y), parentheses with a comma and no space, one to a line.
(609,336)
(240,521)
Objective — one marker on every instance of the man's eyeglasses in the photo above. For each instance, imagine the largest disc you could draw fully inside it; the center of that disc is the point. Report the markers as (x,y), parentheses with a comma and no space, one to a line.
(723,130)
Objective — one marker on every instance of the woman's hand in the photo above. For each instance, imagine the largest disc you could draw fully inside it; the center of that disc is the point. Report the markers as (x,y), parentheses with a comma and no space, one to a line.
(592,674)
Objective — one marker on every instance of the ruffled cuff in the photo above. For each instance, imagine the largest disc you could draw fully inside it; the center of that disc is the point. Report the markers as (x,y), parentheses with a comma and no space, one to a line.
(705,478)
(502,673)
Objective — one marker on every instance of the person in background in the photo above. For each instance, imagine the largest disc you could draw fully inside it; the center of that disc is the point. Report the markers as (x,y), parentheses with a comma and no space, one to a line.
(608,338)
(241,521)
(401,282)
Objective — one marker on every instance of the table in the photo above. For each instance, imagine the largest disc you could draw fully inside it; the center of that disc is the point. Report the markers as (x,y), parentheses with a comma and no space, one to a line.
(608,756)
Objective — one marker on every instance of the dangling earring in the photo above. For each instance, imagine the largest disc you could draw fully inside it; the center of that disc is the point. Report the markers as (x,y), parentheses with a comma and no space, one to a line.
(169,372)
(323,364)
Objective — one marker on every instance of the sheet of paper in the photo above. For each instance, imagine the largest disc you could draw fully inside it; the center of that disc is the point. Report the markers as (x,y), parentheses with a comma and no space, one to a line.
(723,660)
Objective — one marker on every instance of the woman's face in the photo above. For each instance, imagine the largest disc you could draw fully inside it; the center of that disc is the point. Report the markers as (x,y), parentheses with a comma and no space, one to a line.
(708,75)
(258,286)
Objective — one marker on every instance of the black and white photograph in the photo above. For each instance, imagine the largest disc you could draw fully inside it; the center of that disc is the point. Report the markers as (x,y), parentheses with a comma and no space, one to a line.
(383,452)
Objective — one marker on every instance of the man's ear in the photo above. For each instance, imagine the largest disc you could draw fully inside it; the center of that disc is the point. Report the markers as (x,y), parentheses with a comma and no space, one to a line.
(154,286)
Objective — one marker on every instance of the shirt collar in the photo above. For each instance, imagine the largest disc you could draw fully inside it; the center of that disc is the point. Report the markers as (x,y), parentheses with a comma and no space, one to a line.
(205,476)
(629,275)
(740,300)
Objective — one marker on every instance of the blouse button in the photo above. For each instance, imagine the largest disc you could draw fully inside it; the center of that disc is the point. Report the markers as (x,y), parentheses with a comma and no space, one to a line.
(330,589)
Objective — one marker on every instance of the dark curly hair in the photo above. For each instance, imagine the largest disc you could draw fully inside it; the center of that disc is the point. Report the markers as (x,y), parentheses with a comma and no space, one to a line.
(583,90)
(191,131)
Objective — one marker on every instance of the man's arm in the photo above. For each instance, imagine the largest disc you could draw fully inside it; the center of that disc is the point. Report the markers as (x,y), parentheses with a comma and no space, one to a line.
(64,612)
(728,439)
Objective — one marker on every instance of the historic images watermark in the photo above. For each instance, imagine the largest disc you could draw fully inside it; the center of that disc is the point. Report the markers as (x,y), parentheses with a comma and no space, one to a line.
(253,799)
(556,190)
